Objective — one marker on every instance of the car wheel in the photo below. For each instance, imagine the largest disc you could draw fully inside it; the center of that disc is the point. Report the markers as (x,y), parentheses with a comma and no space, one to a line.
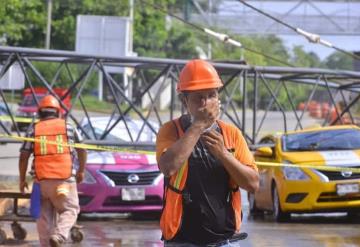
(278,214)
(253,209)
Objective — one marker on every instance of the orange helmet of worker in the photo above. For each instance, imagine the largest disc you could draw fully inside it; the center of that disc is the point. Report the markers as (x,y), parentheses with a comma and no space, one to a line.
(197,75)
(49,101)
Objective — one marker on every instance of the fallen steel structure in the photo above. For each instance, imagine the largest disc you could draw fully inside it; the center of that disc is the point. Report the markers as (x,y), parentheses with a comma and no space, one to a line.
(154,78)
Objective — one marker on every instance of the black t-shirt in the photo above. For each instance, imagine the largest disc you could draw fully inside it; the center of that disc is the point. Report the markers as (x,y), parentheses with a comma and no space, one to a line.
(208,214)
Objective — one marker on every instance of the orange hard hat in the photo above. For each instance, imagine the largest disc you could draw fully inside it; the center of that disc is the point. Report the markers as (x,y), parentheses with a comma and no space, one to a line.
(49,101)
(197,75)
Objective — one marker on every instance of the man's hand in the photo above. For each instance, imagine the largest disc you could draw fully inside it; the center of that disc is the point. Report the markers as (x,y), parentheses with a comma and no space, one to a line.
(214,141)
(22,186)
(79,177)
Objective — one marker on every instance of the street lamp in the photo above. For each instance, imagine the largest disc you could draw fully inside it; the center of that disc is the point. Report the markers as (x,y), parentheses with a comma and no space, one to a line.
(48,27)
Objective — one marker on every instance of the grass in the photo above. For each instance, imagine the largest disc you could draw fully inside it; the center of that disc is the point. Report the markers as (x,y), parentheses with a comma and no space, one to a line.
(15,98)
(93,104)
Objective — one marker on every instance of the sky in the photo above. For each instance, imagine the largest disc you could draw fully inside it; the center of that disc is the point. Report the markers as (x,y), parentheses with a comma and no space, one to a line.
(349,43)
(330,9)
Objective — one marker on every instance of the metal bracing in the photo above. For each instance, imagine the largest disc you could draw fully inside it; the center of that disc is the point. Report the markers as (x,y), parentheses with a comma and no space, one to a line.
(249,93)
(321,17)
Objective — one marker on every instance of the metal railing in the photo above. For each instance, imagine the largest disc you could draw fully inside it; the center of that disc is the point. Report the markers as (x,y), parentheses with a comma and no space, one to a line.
(250,96)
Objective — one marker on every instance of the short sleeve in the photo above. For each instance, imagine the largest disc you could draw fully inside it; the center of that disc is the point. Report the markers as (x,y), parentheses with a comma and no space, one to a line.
(242,151)
(77,137)
(28,146)
(166,136)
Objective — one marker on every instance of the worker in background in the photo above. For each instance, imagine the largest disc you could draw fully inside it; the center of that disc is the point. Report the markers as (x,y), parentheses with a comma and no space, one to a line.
(205,161)
(55,171)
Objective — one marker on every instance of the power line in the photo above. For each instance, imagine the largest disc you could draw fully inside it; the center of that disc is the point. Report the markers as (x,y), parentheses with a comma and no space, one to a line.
(311,37)
(220,36)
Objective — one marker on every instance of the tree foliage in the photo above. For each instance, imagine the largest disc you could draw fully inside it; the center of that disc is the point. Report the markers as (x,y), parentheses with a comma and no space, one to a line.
(339,60)
(301,58)
(23,23)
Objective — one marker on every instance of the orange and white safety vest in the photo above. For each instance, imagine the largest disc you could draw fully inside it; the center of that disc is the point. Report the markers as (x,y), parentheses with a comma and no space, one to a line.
(52,160)
(170,221)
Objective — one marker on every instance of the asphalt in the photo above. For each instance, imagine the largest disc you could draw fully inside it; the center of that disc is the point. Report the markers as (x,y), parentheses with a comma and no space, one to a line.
(9,159)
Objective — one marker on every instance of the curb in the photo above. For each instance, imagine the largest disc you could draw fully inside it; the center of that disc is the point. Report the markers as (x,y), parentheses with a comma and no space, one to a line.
(9,178)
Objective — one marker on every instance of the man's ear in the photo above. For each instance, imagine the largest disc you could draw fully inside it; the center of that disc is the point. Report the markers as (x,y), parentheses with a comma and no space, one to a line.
(183,99)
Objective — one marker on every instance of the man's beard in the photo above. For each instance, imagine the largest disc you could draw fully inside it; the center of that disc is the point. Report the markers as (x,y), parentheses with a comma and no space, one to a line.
(212,126)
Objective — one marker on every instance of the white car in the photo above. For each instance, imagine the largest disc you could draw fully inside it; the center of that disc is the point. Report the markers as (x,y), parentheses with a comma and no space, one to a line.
(133,131)
(5,123)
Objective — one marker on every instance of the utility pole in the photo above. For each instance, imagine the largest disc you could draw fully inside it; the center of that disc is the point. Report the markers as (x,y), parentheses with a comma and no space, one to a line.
(186,10)
(48,27)
(131,16)
(210,24)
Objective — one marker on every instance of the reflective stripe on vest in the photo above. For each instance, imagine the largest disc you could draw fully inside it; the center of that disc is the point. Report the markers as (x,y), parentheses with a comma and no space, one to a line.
(179,176)
(52,158)
(171,217)
(43,150)
(59,141)
(59,147)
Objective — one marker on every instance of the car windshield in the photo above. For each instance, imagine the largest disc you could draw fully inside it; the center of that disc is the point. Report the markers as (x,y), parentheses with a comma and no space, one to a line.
(29,100)
(339,139)
(119,132)
(3,110)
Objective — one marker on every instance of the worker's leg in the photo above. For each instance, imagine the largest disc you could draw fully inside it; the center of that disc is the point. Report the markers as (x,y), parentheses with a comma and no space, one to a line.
(46,221)
(67,208)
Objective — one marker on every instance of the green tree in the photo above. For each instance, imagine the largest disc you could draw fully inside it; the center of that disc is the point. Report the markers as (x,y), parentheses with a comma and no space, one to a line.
(338,60)
(301,58)
(150,33)
(181,42)
(64,18)
(22,23)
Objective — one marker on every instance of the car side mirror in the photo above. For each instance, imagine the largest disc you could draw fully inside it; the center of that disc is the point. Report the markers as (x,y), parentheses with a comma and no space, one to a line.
(264,152)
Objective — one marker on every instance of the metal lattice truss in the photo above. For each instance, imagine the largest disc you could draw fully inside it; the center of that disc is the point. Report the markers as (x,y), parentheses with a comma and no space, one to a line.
(252,97)
(321,17)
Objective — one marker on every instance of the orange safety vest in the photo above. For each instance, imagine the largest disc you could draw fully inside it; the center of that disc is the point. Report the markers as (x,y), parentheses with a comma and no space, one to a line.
(52,161)
(172,214)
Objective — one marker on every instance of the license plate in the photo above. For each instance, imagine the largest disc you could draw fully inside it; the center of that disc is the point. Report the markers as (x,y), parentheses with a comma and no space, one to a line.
(344,189)
(133,194)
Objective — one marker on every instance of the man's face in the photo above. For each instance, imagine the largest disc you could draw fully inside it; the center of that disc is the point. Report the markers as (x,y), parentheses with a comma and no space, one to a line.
(202,99)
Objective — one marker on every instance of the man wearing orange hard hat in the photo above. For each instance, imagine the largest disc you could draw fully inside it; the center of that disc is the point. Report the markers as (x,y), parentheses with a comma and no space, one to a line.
(54,166)
(205,161)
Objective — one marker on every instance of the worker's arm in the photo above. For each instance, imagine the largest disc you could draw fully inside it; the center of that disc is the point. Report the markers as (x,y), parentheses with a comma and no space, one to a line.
(82,156)
(23,165)
(244,176)
(176,155)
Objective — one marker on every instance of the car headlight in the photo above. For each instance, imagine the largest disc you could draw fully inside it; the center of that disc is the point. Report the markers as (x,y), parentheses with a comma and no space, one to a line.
(294,173)
(21,114)
(26,114)
(108,181)
(88,178)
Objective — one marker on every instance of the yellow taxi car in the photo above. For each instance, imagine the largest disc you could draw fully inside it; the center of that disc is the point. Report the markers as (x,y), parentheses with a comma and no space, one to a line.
(285,190)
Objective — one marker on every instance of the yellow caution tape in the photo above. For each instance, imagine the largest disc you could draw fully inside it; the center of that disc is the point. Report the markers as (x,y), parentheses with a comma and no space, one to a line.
(79,145)
(118,149)
(18,119)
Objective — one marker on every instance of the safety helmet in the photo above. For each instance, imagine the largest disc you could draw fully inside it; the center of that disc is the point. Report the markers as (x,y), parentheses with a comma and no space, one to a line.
(197,75)
(49,101)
